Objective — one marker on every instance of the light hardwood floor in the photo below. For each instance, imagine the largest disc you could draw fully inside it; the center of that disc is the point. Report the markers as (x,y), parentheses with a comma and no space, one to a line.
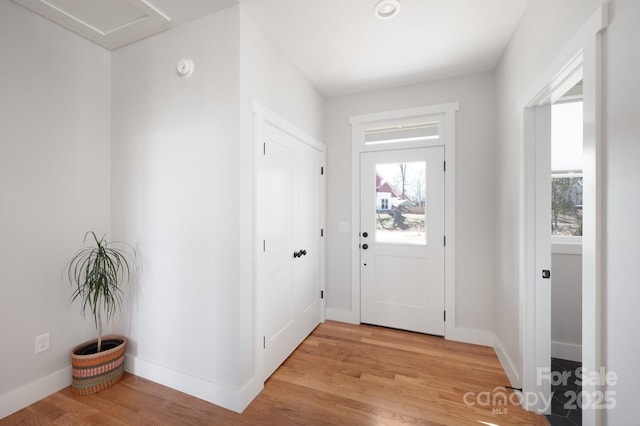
(341,374)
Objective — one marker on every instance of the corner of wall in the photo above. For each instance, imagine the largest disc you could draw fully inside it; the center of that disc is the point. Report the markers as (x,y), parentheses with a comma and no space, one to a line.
(471,335)
(231,398)
(507,364)
(342,315)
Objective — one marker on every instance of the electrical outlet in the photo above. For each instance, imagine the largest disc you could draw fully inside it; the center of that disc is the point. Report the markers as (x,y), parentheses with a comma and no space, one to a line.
(42,342)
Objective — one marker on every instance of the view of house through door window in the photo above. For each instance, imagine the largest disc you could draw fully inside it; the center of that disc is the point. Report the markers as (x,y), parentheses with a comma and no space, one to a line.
(400,203)
(566,167)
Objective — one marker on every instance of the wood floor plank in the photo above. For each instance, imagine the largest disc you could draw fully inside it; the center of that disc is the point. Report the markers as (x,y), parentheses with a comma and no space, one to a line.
(342,374)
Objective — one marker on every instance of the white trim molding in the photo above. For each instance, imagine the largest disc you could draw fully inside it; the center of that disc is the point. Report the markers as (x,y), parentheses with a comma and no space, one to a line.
(581,58)
(232,398)
(509,367)
(30,393)
(564,350)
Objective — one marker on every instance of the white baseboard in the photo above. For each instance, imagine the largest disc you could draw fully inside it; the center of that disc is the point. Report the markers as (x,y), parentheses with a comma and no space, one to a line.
(235,399)
(507,364)
(249,392)
(470,335)
(568,351)
(33,392)
(342,315)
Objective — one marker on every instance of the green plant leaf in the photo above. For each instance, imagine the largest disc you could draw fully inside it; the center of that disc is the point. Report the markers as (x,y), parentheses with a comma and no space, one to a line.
(97,273)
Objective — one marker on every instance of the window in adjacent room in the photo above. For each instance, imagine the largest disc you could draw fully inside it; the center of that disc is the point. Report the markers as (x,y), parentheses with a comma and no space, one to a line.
(566,165)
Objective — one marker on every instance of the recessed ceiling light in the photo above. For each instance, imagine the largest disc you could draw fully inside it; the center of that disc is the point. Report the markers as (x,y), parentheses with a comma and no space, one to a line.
(386,9)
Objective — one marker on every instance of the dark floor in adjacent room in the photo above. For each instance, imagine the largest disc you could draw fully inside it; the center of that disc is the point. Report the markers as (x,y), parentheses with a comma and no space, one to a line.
(565,410)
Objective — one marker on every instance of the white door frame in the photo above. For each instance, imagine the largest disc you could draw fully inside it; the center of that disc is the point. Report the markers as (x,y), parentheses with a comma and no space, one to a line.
(359,124)
(537,211)
(581,59)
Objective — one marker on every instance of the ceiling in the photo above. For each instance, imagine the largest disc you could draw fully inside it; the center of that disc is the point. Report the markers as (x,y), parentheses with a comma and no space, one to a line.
(115,23)
(342,48)
(338,44)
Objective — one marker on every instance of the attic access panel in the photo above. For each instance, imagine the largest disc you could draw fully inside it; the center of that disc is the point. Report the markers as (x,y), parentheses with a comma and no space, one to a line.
(110,23)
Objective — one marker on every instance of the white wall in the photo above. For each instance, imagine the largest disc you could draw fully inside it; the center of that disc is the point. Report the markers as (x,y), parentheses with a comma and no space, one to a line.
(475,188)
(175,164)
(267,76)
(546,27)
(183,194)
(544,30)
(622,292)
(54,187)
(566,301)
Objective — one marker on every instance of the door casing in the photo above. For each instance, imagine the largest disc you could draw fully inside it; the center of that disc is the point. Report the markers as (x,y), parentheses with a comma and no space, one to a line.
(359,123)
(581,59)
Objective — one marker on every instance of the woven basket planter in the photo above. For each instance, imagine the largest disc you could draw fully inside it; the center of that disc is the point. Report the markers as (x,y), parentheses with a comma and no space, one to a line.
(95,372)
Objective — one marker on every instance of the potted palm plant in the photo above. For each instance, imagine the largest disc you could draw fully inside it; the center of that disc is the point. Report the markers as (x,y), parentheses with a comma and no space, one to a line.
(97,273)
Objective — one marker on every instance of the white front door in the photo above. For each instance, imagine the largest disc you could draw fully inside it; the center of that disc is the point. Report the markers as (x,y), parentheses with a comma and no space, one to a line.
(402,239)
(289,210)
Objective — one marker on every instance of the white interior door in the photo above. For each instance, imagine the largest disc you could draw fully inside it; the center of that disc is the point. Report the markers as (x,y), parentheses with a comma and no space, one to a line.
(289,210)
(402,239)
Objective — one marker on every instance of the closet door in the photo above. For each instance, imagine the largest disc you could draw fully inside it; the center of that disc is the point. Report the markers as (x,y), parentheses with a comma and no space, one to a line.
(308,239)
(289,217)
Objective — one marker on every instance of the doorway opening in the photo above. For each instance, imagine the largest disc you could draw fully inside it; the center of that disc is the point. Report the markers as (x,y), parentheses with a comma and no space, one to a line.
(566,256)
(397,224)
(580,61)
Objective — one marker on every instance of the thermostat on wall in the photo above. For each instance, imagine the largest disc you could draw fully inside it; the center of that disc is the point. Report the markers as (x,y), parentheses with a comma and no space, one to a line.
(185,67)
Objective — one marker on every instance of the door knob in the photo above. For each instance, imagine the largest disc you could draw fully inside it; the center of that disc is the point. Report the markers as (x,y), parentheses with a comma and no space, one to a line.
(365,234)
(365,246)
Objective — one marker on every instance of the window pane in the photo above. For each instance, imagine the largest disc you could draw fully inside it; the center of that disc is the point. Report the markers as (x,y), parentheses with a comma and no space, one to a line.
(401,203)
(566,206)
(566,167)
(403,133)
(566,137)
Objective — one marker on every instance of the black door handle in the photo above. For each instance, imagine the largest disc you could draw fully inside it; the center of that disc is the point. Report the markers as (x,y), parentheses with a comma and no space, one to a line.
(296,254)
(303,252)
(365,246)
(365,234)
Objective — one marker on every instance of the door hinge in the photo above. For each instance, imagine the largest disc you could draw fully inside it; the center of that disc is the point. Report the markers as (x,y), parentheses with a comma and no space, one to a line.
(264,245)
(445,316)
(322,170)
(264,342)
(264,148)
(444,240)
(322,232)
(321,294)
(445,166)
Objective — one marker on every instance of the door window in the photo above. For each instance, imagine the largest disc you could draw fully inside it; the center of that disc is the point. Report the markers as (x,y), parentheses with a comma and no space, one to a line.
(401,201)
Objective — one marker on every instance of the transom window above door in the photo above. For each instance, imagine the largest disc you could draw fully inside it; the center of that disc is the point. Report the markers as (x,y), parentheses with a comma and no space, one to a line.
(420,130)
